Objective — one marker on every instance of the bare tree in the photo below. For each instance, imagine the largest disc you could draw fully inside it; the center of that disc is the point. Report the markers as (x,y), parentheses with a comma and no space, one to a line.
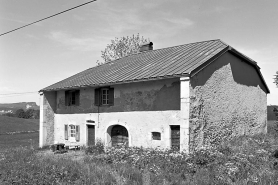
(276,78)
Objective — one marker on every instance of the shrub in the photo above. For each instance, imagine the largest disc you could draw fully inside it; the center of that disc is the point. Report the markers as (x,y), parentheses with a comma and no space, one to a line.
(96,149)
(243,160)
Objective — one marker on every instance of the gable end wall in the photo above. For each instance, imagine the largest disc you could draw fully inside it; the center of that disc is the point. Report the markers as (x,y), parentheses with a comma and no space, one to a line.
(227,99)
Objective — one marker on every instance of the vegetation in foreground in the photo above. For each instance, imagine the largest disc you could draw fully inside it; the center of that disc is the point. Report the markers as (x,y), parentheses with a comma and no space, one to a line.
(245,160)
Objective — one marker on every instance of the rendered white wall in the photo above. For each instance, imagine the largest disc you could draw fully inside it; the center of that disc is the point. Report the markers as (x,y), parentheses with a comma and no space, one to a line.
(139,125)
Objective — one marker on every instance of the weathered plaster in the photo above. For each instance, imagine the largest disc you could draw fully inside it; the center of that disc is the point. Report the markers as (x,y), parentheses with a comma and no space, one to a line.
(141,96)
(227,99)
(47,109)
(139,124)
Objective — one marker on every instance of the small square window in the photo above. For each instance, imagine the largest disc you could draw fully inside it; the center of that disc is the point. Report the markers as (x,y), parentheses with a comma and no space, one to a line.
(156,135)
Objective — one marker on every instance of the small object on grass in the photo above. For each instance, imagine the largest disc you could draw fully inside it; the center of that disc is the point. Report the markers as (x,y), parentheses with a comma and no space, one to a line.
(58,147)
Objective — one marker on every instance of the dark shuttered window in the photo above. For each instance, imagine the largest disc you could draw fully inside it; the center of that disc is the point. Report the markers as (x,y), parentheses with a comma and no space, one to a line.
(104,96)
(97,97)
(72,97)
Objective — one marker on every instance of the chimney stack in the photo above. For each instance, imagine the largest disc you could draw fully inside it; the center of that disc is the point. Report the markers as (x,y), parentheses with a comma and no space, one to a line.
(146,47)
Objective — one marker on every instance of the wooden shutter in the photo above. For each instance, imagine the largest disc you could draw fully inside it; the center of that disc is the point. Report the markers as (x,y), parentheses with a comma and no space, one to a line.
(111,96)
(66,98)
(66,132)
(77,133)
(97,97)
(77,97)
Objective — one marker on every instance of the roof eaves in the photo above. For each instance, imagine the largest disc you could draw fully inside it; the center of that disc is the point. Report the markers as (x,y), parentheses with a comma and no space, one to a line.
(219,54)
(117,83)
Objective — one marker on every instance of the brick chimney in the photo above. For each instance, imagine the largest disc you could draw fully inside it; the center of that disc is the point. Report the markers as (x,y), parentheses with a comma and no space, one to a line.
(146,47)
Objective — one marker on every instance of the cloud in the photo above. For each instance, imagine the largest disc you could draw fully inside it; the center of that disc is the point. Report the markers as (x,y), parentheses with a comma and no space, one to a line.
(182,22)
(75,43)
(157,19)
(109,19)
(6,89)
(78,17)
(22,22)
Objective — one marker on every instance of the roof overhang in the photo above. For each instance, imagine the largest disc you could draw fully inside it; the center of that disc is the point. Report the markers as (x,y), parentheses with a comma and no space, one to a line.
(117,83)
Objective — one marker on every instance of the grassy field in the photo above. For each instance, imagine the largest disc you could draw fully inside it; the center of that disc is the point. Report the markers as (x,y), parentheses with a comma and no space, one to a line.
(10,125)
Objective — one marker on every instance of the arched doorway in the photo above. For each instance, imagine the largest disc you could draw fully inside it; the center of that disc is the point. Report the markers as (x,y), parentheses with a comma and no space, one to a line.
(119,135)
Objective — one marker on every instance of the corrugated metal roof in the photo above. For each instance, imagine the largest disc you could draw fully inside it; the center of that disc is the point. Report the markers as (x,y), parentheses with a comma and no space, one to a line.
(161,63)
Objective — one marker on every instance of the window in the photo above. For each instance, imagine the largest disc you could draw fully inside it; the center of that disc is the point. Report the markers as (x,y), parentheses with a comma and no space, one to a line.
(72,97)
(72,131)
(156,135)
(104,96)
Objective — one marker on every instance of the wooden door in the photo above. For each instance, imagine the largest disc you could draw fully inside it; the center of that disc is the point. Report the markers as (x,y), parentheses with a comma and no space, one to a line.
(91,135)
(119,135)
(175,137)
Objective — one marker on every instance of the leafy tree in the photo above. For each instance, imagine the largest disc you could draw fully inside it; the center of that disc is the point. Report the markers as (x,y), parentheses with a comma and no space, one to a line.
(123,46)
(29,114)
(20,113)
(37,114)
(9,114)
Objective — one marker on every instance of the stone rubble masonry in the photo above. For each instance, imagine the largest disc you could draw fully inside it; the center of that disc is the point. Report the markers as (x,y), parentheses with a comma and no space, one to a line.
(227,99)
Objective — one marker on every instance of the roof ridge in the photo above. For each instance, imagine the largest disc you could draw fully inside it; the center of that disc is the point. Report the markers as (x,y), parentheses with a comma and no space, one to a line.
(159,49)
(108,72)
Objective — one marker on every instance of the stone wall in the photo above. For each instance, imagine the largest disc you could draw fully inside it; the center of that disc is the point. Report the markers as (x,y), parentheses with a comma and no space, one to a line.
(47,118)
(227,99)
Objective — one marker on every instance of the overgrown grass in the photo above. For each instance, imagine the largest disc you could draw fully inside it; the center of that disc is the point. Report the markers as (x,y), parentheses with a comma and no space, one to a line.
(17,140)
(245,160)
(242,161)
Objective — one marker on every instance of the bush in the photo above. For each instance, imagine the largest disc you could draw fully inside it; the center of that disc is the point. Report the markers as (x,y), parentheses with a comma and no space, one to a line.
(96,149)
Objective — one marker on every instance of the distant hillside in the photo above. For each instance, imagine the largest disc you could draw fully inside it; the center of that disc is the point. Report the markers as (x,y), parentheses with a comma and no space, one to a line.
(11,124)
(270,114)
(12,107)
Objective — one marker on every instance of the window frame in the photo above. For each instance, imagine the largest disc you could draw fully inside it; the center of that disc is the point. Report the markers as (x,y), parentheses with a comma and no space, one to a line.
(102,96)
(156,136)
(72,131)
(72,97)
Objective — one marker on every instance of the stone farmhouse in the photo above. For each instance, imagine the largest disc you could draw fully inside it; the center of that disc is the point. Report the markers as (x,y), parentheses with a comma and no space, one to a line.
(181,97)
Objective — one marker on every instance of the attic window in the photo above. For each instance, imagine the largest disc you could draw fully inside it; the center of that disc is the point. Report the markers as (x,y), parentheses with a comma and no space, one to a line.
(72,97)
(156,135)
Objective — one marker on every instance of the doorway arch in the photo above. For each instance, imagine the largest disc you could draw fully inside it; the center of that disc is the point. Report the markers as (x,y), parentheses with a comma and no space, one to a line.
(119,136)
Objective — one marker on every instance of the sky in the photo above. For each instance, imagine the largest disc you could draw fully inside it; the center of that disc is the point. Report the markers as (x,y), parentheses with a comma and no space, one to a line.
(49,51)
